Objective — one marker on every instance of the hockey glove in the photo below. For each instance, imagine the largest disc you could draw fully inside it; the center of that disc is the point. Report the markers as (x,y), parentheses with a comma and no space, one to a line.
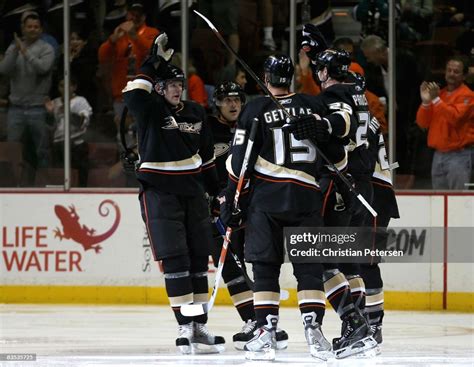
(159,50)
(130,161)
(310,127)
(345,198)
(214,206)
(313,41)
(231,217)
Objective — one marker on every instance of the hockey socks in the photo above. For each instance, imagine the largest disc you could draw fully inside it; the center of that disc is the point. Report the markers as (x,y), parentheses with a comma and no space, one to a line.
(338,292)
(312,301)
(358,291)
(242,298)
(374,312)
(200,289)
(311,297)
(186,283)
(180,292)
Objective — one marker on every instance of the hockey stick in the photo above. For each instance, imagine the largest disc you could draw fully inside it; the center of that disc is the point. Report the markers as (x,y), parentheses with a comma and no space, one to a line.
(287,114)
(199,309)
(284,294)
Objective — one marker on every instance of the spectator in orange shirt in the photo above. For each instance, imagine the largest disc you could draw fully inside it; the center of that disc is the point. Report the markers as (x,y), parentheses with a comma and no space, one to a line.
(304,77)
(448,116)
(196,90)
(125,50)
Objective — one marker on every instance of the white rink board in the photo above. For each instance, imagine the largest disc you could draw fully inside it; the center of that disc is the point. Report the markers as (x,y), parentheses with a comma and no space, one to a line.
(29,221)
(460,214)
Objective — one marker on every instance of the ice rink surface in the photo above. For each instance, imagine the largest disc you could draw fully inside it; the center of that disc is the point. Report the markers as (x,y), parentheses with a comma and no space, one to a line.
(145,336)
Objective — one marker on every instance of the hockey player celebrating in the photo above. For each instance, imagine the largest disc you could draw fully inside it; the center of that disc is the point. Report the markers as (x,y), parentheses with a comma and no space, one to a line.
(229,99)
(385,203)
(330,67)
(176,157)
(284,168)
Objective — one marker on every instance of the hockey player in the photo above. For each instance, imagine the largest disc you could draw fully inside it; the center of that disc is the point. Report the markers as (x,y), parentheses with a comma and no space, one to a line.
(229,98)
(176,157)
(368,162)
(284,192)
(385,203)
(331,67)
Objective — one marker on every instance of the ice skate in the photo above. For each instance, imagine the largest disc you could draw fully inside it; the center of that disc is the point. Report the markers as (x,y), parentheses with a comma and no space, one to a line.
(205,342)
(185,335)
(319,346)
(356,338)
(281,337)
(377,332)
(245,335)
(262,346)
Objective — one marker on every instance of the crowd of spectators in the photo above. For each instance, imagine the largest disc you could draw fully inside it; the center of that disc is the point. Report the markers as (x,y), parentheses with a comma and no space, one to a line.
(110,39)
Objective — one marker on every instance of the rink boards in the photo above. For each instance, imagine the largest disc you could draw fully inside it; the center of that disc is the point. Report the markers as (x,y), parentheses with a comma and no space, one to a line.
(91,247)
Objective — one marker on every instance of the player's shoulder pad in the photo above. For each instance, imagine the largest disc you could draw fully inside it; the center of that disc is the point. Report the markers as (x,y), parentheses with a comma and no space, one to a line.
(194,107)
(252,109)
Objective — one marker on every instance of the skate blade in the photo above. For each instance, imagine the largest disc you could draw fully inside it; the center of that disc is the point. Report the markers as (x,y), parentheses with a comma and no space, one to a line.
(323,355)
(368,353)
(361,346)
(267,354)
(239,345)
(184,349)
(200,348)
(282,344)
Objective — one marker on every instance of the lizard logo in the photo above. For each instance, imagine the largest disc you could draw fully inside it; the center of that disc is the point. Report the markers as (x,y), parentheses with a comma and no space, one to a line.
(81,234)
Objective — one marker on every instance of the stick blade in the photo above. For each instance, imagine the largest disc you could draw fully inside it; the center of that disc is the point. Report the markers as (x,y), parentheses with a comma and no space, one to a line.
(194,310)
(209,23)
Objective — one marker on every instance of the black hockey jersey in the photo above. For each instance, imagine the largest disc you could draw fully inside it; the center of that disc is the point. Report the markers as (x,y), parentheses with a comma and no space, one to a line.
(283,170)
(174,143)
(336,105)
(361,160)
(384,195)
(222,134)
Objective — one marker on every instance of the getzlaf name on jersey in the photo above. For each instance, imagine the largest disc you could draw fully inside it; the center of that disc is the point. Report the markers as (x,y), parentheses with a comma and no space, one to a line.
(282,169)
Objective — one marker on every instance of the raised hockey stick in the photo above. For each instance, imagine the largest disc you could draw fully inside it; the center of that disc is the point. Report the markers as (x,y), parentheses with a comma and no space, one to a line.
(284,294)
(199,309)
(287,114)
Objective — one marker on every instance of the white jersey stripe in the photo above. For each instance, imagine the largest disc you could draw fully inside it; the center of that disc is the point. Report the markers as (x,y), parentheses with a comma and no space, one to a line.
(186,164)
(269,169)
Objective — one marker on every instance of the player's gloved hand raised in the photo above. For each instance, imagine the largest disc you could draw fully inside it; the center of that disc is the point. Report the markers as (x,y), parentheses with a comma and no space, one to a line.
(310,127)
(230,216)
(129,161)
(158,48)
(313,41)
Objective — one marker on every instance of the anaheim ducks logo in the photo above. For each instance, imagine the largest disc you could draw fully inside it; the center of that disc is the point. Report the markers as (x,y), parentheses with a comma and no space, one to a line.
(185,127)
(221,149)
(170,123)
